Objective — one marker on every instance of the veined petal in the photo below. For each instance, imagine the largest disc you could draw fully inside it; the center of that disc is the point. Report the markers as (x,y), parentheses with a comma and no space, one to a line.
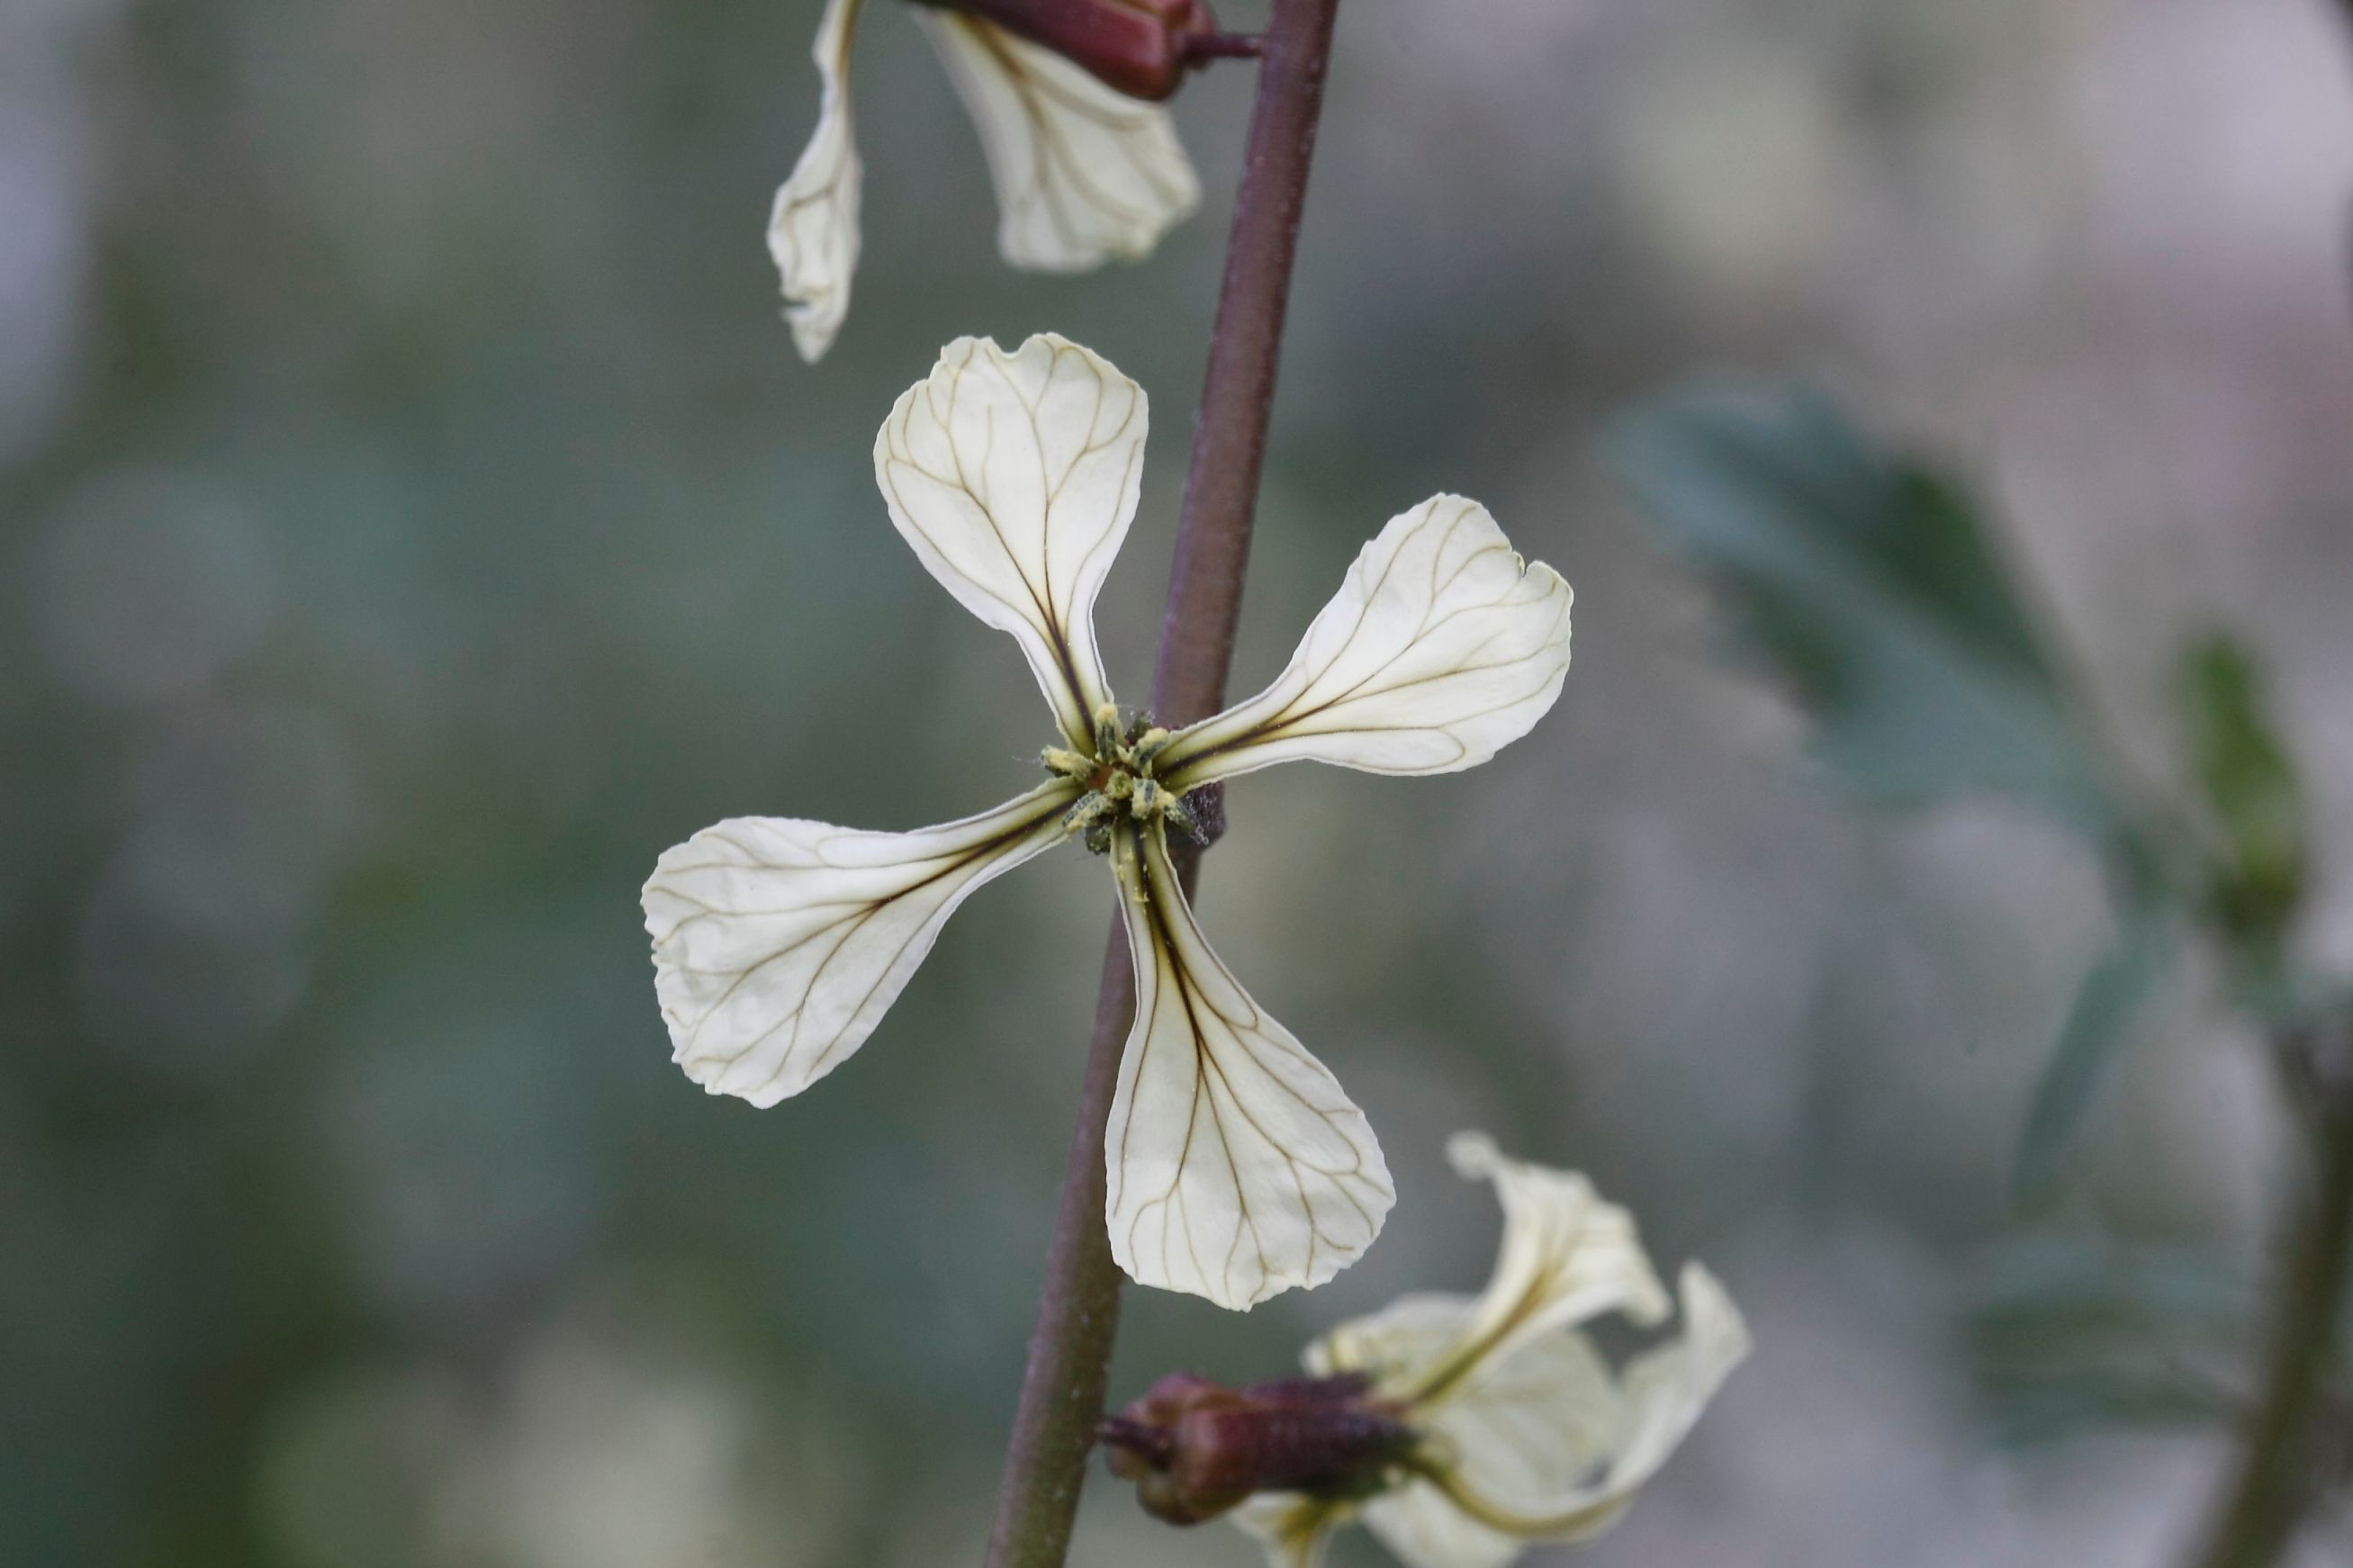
(1441,647)
(1084,173)
(1531,1428)
(1518,1476)
(1013,476)
(1529,1433)
(1237,1167)
(1566,1256)
(1532,1435)
(779,944)
(813,228)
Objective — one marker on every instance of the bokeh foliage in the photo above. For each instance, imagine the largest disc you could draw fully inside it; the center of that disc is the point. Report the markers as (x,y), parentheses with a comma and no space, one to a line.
(1874,587)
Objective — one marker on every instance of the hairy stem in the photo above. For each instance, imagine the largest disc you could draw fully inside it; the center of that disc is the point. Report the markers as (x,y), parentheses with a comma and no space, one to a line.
(1077,1311)
(2278,1480)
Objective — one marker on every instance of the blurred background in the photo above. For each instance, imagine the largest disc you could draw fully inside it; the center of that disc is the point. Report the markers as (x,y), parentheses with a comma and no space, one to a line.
(413,519)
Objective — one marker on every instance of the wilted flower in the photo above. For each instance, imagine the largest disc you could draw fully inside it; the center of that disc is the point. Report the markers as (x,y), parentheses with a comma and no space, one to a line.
(1084,173)
(1459,1429)
(1237,1168)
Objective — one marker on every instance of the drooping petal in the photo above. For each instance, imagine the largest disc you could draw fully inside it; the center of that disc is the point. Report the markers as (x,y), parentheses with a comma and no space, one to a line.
(1530,1432)
(1666,1389)
(1013,476)
(1529,1428)
(1441,647)
(813,228)
(1294,1530)
(1566,1257)
(779,944)
(1084,173)
(1545,1446)
(1237,1168)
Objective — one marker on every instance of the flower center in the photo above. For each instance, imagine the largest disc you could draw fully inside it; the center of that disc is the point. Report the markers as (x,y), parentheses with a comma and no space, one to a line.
(1117,776)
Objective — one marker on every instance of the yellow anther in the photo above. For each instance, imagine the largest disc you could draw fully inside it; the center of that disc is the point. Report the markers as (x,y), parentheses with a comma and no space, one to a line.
(1068,763)
(1088,811)
(1178,816)
(1149,745)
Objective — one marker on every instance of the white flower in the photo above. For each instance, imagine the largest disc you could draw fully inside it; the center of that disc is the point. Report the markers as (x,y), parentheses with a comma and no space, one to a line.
(1237,1167)
(1084,173)
(1528,1434)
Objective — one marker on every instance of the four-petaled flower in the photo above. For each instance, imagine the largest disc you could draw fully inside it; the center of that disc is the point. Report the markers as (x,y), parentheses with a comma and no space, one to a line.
(1237,1167)
(1084,174)
(1524,1433)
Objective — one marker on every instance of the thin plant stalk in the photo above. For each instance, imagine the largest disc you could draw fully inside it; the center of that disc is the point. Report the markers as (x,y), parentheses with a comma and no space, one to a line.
(1078,1313)
(2278,1480)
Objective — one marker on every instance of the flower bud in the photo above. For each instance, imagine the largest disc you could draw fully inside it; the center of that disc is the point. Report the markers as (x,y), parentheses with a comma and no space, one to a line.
(1195,1448)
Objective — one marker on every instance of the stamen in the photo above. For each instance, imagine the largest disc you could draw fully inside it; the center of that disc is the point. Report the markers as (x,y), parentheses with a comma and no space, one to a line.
(1107,732)
(1150,744)
(1068,763)
(1089,810)
(1180,817)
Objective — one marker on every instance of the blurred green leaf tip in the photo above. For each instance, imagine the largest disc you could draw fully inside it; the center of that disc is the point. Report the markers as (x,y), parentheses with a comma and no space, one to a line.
(1868,583)
(2249,787)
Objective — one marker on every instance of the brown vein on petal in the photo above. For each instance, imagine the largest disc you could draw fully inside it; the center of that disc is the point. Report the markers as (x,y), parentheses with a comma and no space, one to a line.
(1290,720)
(843,931)
(1051,153)
(1044,611)
(1173,938)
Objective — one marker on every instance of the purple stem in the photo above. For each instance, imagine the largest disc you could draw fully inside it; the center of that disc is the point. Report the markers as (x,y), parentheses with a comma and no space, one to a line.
(1078,1311)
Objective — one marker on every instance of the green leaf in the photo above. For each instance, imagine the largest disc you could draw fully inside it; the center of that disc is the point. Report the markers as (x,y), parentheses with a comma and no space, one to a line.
(2069,1336)
(2099,1026)
(2250,787)
(1869,584)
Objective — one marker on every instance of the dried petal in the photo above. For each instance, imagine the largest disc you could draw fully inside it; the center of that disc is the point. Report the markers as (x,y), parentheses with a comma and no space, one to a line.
(813,228)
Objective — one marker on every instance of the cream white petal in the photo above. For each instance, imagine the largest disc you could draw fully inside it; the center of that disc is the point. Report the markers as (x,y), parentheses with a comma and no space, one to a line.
(779,944)
(1566,1256)
(1528,1429)
(1545,1437)
(813,228)
(1083,175)
(1533,1438)
(1293,1529)
(1441,646)
(1013,476)
(1237,1167)
(1666,1389)
(1520,1476)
